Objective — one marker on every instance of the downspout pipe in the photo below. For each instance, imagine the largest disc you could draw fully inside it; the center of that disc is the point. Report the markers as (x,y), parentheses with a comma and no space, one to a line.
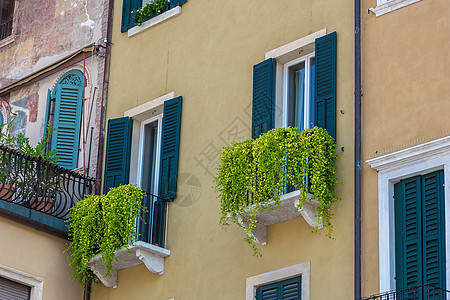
(101,141)
(358,94)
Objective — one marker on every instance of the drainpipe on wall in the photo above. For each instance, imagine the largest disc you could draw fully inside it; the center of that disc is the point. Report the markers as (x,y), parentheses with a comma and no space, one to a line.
(358,93)
(101,141)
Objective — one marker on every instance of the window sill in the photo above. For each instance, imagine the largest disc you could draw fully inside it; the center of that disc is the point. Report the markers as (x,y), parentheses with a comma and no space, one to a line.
(384,8)
(287,210)
(150,255)
(176,11)
(6,41)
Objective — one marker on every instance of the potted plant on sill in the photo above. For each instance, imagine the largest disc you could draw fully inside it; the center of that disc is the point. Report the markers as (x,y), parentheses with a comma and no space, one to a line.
(253,175)
(150,10)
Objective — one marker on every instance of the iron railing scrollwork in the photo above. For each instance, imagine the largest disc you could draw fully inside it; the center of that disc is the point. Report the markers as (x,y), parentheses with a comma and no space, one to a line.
(40,185)
(423,292)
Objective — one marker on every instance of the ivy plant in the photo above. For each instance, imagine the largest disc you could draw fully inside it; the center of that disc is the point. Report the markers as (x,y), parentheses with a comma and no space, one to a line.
(150,10)
(253,175)
(101,225)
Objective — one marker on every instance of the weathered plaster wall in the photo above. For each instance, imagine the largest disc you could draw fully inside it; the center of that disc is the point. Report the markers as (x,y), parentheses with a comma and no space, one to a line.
(207,55)
(406,97)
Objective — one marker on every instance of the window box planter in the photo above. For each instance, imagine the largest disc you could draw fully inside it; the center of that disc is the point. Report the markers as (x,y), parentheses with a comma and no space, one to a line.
(140,252)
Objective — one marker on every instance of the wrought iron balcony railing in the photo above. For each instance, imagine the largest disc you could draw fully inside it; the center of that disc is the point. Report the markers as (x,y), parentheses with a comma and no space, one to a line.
(423,292)
(40,185)
(152,228)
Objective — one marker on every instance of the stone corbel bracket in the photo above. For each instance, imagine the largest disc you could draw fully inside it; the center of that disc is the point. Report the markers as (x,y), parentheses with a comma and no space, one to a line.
(288,209)
(140,252)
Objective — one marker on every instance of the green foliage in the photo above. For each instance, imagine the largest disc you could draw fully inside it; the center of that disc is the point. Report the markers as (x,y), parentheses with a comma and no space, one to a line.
(150,10)
(102,224)
(254,174)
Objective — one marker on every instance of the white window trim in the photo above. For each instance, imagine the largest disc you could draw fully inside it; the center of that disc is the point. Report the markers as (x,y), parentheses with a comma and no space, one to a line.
(36,283)
(171,13)
(385,6)
(393,167)
(303,269)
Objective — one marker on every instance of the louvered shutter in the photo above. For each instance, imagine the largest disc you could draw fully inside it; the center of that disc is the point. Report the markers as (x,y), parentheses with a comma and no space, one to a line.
(263,107)
(118,148)
(325,86)
(170,141)
(433,229)
(127,13)
(283,290)
(67,124)
(11,290)
(174,3)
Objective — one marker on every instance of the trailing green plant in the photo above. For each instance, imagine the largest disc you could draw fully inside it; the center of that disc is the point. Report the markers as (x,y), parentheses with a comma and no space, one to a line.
(101,225)
(150,10)
(253,175)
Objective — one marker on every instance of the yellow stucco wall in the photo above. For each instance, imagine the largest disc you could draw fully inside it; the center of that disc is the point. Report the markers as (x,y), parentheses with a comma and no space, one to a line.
(206,55)
(406,97)
(38,254)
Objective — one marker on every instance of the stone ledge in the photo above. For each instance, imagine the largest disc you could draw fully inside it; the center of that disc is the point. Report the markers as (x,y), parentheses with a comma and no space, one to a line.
(287,210)
(384,8)
(150,255)
(176,11)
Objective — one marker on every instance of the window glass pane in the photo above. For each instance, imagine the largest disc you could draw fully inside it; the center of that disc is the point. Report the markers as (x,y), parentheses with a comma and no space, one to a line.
(149,157)
(312,85)
(296,96)
(11,290)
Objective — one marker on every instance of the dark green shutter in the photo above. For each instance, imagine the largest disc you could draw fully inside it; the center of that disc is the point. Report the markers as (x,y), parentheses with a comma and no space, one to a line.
(419,240)
(127,13)
(263,107)
(174,3)
(118,148)
(325,91)
(170,141)
(289,289)
(67,124)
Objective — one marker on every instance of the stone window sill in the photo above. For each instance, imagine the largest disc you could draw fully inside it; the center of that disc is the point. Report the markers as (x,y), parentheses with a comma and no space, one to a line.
(385,6)
(287,210)
(176,11)
(150,255)
(7,41)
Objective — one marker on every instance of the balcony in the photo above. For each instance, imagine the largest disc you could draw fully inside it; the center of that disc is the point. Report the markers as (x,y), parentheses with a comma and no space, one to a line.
(38,192)
(423,292)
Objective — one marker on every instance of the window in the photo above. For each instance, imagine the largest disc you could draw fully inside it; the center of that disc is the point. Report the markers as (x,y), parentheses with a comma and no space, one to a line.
(150,132)
(11,290)
(385,6)
(291,283)
(64,109)
(6,21)
(296,86)
(419,231)
(413,175)
(17,285)
(129,6)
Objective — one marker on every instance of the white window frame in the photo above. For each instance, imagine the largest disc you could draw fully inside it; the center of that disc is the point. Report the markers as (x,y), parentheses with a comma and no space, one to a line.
(385,6)
(36,283)
(304,270)
(418,160)
(288,55)
(286,66)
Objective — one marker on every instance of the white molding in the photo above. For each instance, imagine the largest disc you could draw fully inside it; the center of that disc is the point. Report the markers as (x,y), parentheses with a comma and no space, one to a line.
(140,252)
(303,269)
(152,107)
(287,210)
(385,6)
(393,167)
(36,283)
(176,11)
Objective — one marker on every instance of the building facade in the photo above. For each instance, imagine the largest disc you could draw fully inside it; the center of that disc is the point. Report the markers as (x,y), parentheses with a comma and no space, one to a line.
(183,85)
(51,70)
(405,145)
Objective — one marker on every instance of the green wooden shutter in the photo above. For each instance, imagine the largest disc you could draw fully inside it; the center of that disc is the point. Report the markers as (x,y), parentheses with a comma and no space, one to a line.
(67,124)
(289,289)
(170,141)
(433,229)
(325,91)
(419,240)
(127,13)
(263,107)
(174,3)
(118,148)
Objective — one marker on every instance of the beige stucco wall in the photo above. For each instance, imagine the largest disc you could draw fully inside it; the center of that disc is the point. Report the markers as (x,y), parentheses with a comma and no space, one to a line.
(406,97)
(38,254)
(206,55)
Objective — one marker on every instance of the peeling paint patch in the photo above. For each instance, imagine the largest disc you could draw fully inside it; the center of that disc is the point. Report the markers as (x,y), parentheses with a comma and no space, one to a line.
(88,23)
